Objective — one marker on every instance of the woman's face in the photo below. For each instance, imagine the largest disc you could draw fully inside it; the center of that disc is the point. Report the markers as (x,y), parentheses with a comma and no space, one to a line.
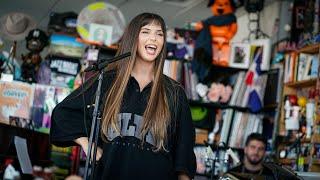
(150,42)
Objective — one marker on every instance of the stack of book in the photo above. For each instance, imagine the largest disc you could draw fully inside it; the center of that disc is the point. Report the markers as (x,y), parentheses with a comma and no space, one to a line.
(300,67)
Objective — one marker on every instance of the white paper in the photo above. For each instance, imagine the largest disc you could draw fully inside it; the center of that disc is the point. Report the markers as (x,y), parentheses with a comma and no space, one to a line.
(292,124)
(23,156)
(93,54)
(6,77)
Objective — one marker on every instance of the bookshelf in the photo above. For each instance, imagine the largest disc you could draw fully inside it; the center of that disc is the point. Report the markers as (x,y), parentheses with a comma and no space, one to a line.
(302,84)
(307,147)
(38,156)
(65,159)
(291,161)
(240,108)
(311,49)
(316,138)
(42,152)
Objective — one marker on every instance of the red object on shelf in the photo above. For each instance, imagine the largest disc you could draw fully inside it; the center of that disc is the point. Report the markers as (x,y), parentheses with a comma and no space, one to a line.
(75,157)
(8,161)
(293,99)
(312,93)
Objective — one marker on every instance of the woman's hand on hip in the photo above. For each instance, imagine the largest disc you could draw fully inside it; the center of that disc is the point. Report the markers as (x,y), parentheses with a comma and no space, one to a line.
(84,143)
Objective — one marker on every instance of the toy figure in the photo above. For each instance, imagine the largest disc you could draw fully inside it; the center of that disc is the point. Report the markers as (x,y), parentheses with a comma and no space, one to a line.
(202,90)
(36,41)
(30,66)
(291,114)
(214,92)
(226,94)
(219,93)
(221,27)
(179,46)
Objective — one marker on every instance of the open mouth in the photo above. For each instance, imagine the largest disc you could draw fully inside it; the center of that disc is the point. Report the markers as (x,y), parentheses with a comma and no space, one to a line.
(151,49)
(220,11)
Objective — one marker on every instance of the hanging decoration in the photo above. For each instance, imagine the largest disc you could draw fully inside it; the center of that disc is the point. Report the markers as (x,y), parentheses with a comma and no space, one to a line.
(101,22)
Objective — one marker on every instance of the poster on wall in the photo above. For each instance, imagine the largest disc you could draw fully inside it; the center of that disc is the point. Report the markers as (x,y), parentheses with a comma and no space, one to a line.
(43,103)
(66,46)
(15,100)
(45,99)
(261,48)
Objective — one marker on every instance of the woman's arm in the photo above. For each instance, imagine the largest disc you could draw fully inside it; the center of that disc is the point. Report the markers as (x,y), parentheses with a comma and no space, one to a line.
(183,176)
(84,143)
(184,158)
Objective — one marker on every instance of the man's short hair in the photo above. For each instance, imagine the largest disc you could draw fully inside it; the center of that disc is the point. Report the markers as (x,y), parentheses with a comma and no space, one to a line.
(257,137)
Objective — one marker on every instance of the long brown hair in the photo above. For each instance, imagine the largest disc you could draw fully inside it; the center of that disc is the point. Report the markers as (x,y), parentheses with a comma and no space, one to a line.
(156,116)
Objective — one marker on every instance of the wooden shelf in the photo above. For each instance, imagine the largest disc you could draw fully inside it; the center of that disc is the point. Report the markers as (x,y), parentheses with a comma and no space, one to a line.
(316,161)
(312,163)
(286,140)
(302,84)
(10,126)
(286,161)
(311,49)
(4,122)
(316,138)
(38,144)
(113,47)
(291,161)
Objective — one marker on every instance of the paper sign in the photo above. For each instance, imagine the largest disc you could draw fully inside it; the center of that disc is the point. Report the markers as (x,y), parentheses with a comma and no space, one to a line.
(23,156)
(6,77)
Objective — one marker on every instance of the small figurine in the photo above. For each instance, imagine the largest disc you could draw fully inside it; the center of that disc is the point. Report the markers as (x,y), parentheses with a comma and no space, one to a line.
(219,93)
(202,90)
(36,41)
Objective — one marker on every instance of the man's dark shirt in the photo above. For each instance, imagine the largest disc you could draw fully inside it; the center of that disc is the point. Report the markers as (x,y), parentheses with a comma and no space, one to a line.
(265,173)
(270,171)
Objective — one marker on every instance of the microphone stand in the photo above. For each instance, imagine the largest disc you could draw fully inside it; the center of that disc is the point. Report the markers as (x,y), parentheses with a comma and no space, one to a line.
(297,146)
(216,149)
(95,125)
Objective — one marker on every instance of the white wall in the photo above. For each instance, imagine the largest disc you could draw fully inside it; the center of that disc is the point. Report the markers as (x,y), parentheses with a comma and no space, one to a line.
(39,10)
(267,20)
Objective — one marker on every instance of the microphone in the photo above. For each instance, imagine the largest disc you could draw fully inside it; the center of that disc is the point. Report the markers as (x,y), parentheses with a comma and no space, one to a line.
(104,62)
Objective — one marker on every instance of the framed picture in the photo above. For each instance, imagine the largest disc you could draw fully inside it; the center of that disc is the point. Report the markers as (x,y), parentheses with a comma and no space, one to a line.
(260,50)
(100,33)
(240,55)
(273,95)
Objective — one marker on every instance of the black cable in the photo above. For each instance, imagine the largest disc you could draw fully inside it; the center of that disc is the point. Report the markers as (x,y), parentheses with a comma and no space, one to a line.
(49,11)
(82,75)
